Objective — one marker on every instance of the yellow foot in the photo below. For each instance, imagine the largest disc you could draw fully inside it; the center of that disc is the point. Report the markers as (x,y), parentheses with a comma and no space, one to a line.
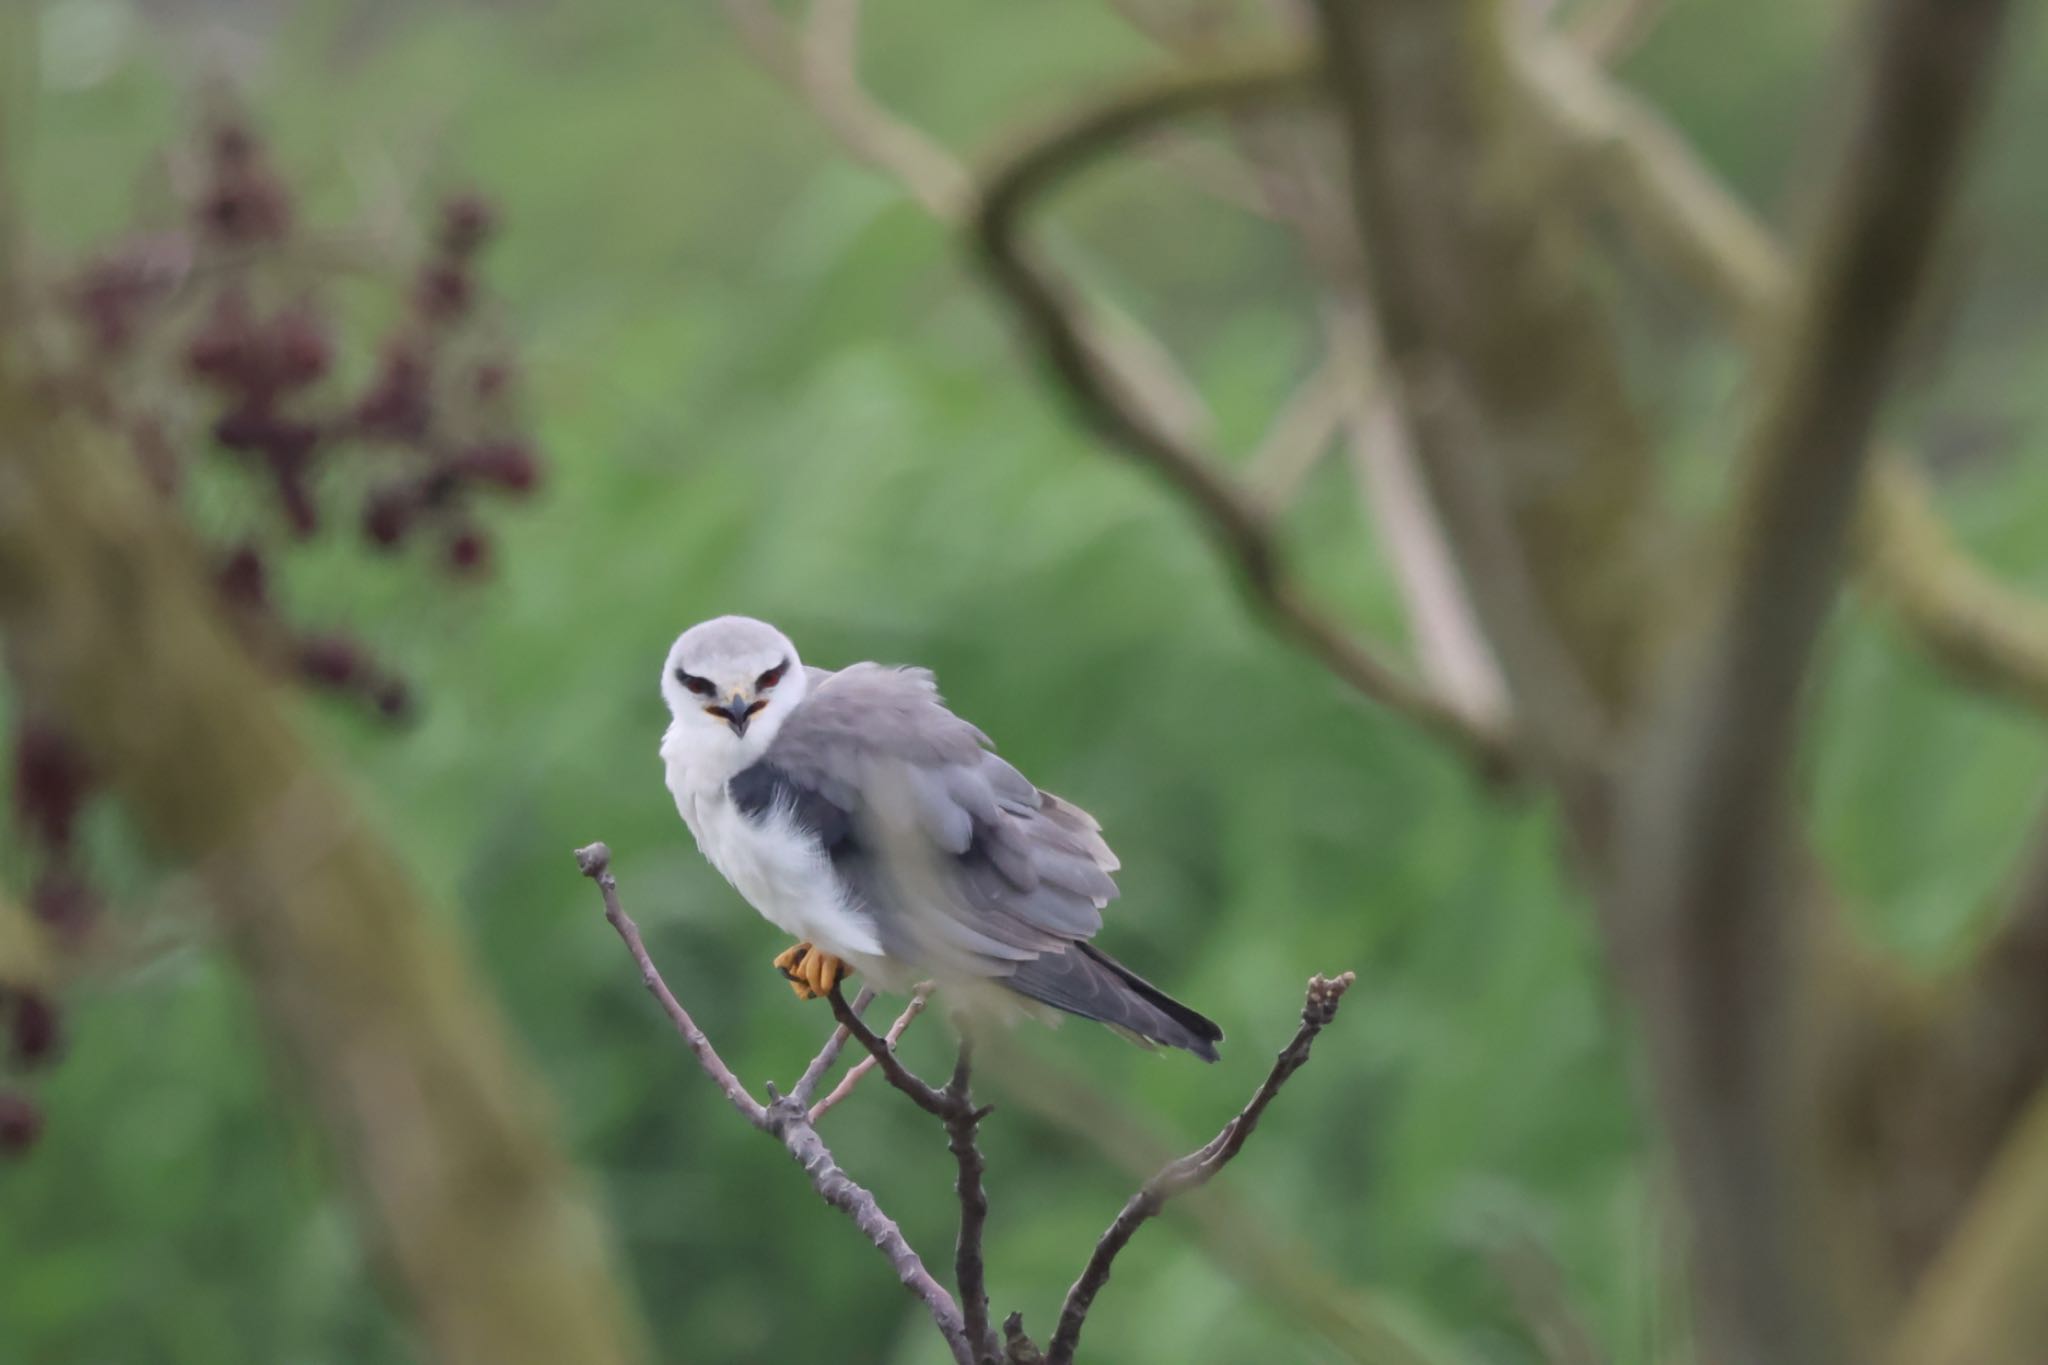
(811,973)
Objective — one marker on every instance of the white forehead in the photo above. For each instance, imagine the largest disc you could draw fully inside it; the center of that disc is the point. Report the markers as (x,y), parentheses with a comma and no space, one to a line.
(726,641)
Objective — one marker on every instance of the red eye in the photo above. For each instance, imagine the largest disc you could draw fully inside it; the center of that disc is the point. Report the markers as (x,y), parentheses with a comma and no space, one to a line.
(771,677)
(701,686)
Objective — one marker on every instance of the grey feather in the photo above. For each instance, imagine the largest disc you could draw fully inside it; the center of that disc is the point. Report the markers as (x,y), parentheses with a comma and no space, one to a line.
(963,864)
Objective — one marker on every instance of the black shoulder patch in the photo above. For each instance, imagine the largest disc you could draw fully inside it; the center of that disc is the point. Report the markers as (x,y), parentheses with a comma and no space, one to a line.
(765,787)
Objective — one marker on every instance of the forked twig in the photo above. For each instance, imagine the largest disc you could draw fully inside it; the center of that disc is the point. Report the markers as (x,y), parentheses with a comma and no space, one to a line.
(1196,1168)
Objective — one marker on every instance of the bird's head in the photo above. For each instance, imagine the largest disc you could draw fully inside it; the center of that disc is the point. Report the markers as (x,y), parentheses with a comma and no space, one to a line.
(735,676)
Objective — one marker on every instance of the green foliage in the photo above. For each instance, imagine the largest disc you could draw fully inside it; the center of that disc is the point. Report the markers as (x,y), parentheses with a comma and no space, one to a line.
(768,388)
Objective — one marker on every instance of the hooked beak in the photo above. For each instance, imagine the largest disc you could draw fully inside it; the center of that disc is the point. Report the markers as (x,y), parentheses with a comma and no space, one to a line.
(735,712)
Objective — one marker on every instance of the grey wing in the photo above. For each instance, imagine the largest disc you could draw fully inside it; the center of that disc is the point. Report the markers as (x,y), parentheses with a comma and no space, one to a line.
(964,865)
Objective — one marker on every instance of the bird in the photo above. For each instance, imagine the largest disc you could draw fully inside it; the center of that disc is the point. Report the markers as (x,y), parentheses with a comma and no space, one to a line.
(857,813)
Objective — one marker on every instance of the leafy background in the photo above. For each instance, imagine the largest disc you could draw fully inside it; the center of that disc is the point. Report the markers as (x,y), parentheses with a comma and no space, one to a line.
(769,385)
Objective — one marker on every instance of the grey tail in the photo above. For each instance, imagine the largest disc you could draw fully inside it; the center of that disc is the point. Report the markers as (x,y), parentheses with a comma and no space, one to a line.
(1086,981)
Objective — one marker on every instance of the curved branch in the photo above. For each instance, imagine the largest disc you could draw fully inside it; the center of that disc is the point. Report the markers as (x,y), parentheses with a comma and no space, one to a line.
(1050,311)
(867,1064)
(595,862)
(954,1107)
(787,1118)
(1197,1168)
(820,64)
(814,1074)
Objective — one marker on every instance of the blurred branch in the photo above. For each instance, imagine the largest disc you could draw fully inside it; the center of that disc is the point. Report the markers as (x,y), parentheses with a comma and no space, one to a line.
(954,1107)
(1713,878)
(1292,165)
(1048,310)
(1535,459)
(1980,1303)
(867,1064)
(820,65)
(1987,634)
(1302,433)
(1536,1283)
(1195,1169)
(440,1127)
(787,1117)
(1609,30)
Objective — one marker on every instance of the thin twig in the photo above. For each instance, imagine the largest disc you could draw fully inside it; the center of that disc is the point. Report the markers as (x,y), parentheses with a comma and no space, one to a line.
(953,1106)
(925,1096)
(1049,310)
(963,1126)
(819,64)
(867,1063)
(1194,1169)
(595,862)
(807,1084)
(787,1118)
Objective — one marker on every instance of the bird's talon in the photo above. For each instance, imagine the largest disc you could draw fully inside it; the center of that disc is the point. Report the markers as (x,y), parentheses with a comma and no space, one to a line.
(811,973)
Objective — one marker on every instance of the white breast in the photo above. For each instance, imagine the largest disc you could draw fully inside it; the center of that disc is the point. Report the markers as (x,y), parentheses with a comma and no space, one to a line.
(781,871)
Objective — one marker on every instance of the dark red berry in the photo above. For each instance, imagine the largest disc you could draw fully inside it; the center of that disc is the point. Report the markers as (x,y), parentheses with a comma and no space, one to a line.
(469,552)
(330,660)
(244,205)
(223,348)
(398,405)
(249,426)
(62,900)
(466,223)
(37,1029)
(491,379)
(510,465)
(394,699)
(244,579)
(234,146)
(300,346)
(50,783)
(387,517)
(21,1123)
(443,292)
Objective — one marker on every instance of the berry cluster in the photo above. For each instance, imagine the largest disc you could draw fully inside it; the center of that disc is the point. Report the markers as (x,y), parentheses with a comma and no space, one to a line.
(267,420)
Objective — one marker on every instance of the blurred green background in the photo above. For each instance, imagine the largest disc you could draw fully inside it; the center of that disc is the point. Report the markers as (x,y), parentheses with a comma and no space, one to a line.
(767,384)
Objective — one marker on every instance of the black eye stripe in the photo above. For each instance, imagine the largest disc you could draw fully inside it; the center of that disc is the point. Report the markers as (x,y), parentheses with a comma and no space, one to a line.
(772,676)
(701,686)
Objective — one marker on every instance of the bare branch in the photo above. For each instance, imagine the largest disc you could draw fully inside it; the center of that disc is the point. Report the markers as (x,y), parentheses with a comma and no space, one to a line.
(1302,433)
(1980,1303)
(867,1063)
(1534,455)
(963,1124)
(807,1084)
(787,1118)
(1712,873)
(595,862)
(1608,31)
(820,66)
(953,1106)
(1196,1168)
(1048,309)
